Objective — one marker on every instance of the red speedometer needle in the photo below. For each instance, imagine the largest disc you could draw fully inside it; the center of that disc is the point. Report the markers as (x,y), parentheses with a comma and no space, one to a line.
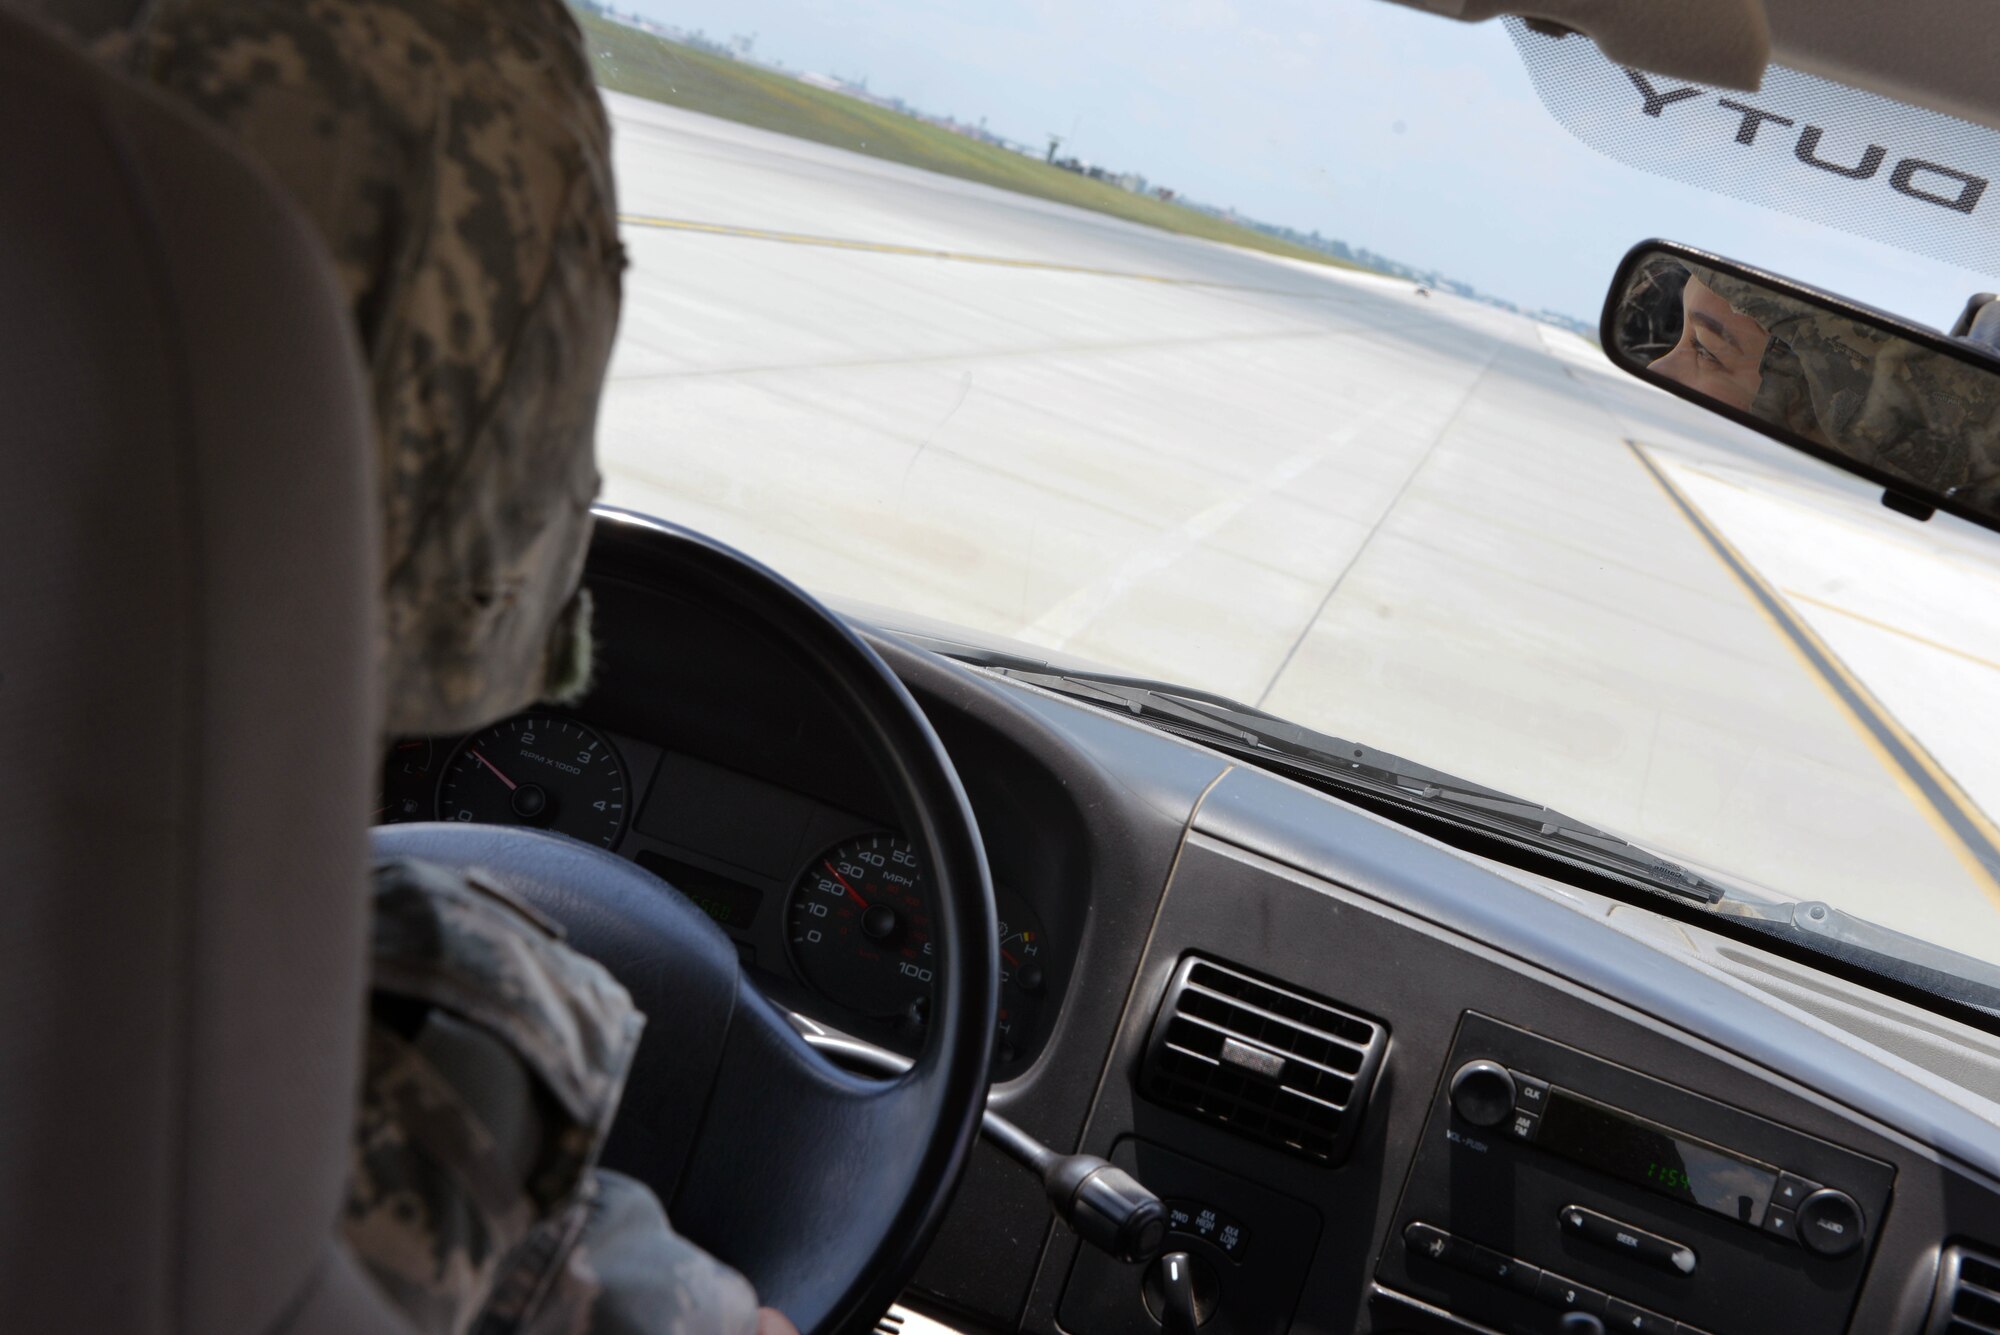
(845,886)
(511,785)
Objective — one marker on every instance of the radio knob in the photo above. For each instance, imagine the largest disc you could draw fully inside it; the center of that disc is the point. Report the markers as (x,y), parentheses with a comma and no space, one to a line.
(1830,1223)
(1483,1093)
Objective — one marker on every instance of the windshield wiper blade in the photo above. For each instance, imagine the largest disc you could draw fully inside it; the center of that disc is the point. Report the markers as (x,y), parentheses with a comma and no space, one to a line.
(1826,930)
(1384,779)
(1366,771)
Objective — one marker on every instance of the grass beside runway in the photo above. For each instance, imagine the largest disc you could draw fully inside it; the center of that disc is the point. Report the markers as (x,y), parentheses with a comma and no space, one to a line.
(630,61)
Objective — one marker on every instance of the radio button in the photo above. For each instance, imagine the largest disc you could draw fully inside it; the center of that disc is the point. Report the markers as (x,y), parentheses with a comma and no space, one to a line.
(1660,1253)
(1530,1094)
(1782,1223)
(1482,1093)
(1621,1315)
(1434,1244)
(1506,1271)
(1568,1295)
(1792,1190)
(1830,1223)
(1524,1125)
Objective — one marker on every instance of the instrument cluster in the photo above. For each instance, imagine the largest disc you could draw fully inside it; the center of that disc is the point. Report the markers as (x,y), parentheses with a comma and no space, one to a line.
(850,924)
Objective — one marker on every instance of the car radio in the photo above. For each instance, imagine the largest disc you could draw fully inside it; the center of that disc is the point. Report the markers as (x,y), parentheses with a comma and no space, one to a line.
(1551,1181)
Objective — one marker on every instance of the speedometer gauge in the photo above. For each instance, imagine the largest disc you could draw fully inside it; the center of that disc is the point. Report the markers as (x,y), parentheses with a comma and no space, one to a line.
(861,935)
(541,770)
(860,927)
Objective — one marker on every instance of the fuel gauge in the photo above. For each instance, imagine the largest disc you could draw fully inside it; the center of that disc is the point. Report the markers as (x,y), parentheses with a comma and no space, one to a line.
(409,783)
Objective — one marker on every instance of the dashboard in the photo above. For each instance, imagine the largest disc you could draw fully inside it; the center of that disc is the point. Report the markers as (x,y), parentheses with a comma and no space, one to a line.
(1382,1084)
(829,905)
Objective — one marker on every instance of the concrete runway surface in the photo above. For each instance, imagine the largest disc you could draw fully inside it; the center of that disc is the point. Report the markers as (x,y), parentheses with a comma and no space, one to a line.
(1417,522)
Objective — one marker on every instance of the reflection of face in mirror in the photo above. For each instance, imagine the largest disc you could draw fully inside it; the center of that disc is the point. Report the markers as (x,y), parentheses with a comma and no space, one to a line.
(1818,373)
(1720,354)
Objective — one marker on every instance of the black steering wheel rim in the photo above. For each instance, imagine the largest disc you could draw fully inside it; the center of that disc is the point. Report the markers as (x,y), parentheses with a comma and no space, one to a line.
(823,1187)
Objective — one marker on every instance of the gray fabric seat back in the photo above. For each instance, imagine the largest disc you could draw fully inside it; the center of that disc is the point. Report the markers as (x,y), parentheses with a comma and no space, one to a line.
(187,630)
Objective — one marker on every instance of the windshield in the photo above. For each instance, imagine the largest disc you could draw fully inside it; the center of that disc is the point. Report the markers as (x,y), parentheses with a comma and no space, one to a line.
(1254,349)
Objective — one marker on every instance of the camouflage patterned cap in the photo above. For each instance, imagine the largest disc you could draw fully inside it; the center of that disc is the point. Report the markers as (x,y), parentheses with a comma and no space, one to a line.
(456,157)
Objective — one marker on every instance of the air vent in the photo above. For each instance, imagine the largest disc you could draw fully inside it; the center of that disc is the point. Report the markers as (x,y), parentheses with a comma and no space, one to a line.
(1268,1063)
(1968,1294)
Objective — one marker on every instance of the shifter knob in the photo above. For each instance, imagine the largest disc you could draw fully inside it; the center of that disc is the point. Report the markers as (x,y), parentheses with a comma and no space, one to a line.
(1482,1092)
(1180,1292)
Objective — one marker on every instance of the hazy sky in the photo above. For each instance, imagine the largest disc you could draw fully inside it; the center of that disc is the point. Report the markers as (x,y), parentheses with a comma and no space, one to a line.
(1414,136)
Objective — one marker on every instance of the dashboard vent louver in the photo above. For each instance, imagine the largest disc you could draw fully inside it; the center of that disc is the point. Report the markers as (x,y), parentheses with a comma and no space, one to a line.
(1267,1062)
(1968,1294)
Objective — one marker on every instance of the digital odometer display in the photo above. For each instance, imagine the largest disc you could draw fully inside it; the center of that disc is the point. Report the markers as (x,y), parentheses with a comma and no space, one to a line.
(1651,1156)
(728,901)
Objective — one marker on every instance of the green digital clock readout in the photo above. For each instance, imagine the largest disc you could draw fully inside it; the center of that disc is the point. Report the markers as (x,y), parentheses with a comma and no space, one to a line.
(1656,1157)
(1670,1177)
(729,902)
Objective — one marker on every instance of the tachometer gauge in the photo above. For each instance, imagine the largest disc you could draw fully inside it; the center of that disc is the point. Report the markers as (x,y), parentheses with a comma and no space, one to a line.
(542,770)
(861,935)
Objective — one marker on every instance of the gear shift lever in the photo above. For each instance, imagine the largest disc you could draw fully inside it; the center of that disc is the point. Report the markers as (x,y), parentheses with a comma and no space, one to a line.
(1177,1311)
(1107,1206)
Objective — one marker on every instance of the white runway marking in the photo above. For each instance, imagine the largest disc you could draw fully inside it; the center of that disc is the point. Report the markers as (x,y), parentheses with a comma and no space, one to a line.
(1411,521)
(1075,613)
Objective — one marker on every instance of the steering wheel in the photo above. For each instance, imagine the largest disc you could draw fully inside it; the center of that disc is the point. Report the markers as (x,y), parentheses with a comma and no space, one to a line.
(823,1187)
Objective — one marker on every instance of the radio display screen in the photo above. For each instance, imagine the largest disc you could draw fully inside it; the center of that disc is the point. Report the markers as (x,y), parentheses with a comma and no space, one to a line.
(1649,1155)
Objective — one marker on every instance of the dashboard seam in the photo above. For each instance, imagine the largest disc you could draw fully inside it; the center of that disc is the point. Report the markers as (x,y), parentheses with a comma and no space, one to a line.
(1132,988)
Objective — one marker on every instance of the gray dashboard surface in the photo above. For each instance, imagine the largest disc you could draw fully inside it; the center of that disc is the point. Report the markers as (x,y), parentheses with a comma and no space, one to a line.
(1135,792)
(1303,829)
(1181,851)
(1268,873)
(1382,962)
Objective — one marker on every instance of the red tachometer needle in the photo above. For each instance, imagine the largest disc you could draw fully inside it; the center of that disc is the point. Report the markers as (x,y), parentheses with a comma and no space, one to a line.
(845,886)
(511,785)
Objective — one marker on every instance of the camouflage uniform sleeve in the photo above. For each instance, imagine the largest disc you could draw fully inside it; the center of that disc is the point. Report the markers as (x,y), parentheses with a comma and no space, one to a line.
(496,1057)
(628,1273)
(1851,387)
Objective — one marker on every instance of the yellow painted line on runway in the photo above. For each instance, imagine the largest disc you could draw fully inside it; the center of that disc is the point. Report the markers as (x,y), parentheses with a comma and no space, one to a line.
(890,248)
(928,253)
(1865,620)
(1929,550)
(1936,795)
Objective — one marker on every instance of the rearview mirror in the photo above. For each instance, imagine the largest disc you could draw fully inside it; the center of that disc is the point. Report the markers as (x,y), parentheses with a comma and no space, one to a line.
(1898,404)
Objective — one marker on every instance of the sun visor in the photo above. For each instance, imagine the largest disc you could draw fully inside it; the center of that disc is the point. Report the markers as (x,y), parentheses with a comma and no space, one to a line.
(1725,43)
(1802,145)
